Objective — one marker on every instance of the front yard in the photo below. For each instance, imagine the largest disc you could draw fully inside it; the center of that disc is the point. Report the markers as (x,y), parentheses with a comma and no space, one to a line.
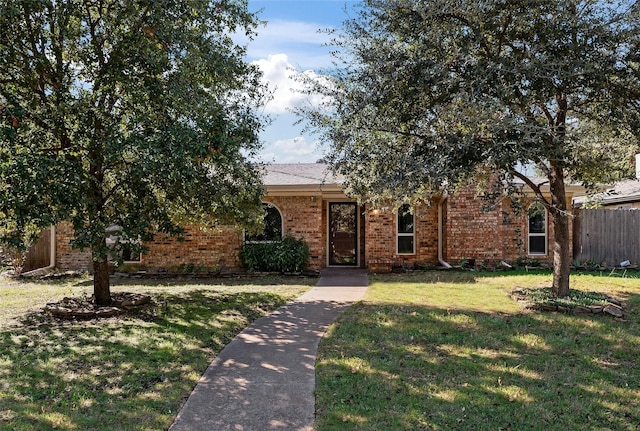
(452,351)
(131,372)
(423,351)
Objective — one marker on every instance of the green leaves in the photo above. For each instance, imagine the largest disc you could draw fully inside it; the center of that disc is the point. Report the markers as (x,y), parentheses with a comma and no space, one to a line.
(139,114)
(437,88)
(433,93)
(287,255)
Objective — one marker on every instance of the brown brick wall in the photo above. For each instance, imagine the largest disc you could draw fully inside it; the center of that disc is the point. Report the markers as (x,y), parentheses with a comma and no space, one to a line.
(381,228)
(212,248)
(205,247)
(303,217)
(68,259)
(470,232)
(488,236)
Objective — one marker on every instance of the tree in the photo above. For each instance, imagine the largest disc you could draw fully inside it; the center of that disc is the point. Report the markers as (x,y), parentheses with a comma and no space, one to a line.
(429,93)
(138,114)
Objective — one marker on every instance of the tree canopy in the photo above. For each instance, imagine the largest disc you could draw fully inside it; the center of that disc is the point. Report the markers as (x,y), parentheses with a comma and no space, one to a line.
(429,93)
(139,114)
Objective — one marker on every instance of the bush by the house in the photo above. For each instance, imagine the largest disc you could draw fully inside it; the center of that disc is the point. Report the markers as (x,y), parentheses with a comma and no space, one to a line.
(287,255)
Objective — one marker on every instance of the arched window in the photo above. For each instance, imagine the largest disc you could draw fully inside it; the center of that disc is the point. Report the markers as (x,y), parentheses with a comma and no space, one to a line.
(272,230)
(537,229)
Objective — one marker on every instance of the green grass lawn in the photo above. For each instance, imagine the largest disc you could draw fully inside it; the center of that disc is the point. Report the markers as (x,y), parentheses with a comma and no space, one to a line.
(127,373)
(452,351)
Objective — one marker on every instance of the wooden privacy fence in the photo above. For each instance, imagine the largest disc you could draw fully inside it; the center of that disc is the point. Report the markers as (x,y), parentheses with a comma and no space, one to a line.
(608,236)
(38,255)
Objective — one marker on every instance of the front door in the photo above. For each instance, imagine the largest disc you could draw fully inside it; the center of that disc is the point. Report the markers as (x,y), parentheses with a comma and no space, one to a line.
(343,233)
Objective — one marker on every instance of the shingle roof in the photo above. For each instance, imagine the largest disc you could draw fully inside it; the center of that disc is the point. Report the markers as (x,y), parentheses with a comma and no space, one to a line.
(292,174)
(318,174)
(622,192)
(627,189)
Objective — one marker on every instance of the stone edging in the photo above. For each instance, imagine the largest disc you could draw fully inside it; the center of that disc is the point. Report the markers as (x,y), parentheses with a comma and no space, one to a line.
(611,307)
(70,308)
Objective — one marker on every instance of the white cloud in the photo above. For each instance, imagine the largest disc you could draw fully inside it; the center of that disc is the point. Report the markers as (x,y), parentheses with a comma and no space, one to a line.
(281,49)
(295,150)
(279,75)
(302,41)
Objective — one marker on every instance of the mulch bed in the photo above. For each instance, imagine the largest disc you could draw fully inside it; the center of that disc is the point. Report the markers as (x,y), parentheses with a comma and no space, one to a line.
(608,306)
(82,309)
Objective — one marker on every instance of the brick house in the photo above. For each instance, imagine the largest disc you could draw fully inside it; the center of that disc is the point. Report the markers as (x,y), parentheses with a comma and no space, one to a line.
(305,201)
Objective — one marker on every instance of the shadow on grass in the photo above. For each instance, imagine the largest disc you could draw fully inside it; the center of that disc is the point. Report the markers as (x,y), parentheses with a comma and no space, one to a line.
(398,367)
(130,373)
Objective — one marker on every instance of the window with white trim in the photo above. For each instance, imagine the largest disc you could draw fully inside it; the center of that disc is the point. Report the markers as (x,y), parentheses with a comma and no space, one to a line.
(130,254)
(537,229)
(272,230)
(405,235)
(129,250)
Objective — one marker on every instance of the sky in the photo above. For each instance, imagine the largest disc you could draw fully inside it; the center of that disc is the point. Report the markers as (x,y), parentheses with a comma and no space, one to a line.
(291,40)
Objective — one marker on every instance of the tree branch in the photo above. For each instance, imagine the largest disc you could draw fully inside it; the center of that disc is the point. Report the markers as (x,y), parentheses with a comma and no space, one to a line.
(547,114)
(535,188)
(501,39)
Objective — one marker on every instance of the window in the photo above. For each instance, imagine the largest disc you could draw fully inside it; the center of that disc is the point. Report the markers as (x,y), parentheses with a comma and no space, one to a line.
(406,231)
(272,230)
(537,229)
(129,254)
(126,249)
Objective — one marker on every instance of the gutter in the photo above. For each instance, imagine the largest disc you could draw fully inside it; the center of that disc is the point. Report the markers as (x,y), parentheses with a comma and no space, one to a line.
(440,233)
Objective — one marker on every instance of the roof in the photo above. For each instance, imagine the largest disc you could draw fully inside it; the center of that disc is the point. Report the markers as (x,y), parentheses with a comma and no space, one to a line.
(572,188)
(623,192)
(298,174)
(629,190)
(294,178)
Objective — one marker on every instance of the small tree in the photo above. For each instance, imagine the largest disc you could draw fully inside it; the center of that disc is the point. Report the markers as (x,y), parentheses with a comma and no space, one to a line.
(137,113)
(433,92)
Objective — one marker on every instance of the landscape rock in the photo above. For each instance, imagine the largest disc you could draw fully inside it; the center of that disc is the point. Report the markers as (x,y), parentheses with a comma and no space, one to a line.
(107,311)
(613,310)
(84,313)
(58,311)
(614,302)
(125,300)
(609,306)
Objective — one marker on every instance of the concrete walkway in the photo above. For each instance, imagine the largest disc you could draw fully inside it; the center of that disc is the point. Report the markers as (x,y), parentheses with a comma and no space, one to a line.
(264,379)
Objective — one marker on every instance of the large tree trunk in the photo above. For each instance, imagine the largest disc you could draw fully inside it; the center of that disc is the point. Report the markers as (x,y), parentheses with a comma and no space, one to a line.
(560,244)
(101,286)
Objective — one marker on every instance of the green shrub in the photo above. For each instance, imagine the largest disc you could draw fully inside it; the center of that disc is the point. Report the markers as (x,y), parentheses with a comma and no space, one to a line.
(288,255)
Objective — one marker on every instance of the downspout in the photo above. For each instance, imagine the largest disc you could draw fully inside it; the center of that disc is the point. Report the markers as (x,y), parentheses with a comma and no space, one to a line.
(52,256)
(440,233)
(52,249)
